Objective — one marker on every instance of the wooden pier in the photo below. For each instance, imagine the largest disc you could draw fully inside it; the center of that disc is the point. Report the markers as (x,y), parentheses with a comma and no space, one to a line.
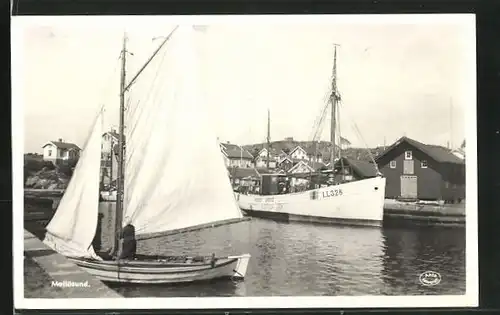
(397,213)
(64,279)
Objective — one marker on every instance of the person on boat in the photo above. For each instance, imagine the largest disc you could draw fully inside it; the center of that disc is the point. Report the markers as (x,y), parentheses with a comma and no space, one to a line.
(129,243)
(281,187)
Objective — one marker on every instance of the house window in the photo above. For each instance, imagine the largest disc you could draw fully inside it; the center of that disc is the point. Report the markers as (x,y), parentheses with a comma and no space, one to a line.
(50,152)
(408,155)
(423,164)
(392,164)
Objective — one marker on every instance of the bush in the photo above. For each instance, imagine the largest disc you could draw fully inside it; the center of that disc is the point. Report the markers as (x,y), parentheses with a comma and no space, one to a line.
(67,167)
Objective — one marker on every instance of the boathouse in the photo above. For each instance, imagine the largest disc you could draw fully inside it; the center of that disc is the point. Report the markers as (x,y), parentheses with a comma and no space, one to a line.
(353,169)
(417,171)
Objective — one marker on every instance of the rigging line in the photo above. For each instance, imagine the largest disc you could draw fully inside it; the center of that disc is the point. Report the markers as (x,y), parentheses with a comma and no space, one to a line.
(317,125)
(138,111)
(110,80)
(140,114)
(151,58)
(356,129)
(134,110)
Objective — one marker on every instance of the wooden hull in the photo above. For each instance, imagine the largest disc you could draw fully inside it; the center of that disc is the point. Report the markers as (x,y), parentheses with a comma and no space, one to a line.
(164,272)
(355,203)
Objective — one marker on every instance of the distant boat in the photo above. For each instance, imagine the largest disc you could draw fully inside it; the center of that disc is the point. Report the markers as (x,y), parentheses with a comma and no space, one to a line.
(152,194)
(358,202)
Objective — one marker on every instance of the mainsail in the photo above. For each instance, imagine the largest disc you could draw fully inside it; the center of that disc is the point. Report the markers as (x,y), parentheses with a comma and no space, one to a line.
(72,229)
(175,175)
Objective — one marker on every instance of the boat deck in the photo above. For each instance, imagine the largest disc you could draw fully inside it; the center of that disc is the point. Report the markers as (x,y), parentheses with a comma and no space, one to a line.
(67,279)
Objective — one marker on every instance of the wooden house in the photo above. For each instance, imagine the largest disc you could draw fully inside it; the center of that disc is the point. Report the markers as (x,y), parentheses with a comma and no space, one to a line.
(421,171)
(351,169)
(59,152)
(236,156)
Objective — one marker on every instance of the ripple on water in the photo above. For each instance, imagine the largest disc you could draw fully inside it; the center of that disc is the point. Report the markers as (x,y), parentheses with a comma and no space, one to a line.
(306,259)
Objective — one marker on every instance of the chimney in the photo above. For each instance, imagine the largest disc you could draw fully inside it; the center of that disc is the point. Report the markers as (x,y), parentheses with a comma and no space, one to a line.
(60,139)
(228,142)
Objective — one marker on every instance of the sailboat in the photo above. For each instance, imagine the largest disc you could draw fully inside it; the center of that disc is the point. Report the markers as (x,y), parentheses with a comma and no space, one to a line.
(358,202)
(162,187)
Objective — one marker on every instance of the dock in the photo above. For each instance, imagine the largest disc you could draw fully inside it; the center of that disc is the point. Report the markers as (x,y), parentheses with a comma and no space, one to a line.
(62,278)
(43,193)
(424,214)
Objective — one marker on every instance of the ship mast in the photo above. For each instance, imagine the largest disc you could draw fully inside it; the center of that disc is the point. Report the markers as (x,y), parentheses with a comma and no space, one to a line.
(268,136)
(334,97)
(121,149)
(121,136)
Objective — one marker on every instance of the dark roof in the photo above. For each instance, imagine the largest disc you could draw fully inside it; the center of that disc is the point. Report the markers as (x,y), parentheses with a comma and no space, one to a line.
(238,172)
(241,172)
(436,152)
(363,168)
(317,165)
(63,145)
(235,151)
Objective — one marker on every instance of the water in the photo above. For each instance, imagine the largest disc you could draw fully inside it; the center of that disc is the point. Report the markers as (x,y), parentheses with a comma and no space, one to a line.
(312,260)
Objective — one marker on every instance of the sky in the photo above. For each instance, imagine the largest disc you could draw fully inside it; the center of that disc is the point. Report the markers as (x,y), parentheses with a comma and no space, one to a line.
(406,76)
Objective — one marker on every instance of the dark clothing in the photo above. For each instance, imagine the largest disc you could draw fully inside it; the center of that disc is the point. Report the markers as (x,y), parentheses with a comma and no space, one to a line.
(129,243)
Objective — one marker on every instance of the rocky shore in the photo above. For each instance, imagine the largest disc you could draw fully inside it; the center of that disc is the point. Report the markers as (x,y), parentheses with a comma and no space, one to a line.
(47,179)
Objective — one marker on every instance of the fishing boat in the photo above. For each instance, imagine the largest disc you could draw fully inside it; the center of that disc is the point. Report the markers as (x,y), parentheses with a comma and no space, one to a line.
(359,202)
(152,194)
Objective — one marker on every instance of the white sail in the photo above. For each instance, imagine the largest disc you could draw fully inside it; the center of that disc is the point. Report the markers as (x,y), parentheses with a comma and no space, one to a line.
(72,229)
(175,175)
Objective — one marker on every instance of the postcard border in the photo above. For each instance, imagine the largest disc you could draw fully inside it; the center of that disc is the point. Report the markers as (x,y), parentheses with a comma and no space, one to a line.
(470,299)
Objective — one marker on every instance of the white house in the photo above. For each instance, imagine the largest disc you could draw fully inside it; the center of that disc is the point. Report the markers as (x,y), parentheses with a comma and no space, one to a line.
(298,154)
(236,156)
(300,168)
(273,154)
(60,151)
(261,162)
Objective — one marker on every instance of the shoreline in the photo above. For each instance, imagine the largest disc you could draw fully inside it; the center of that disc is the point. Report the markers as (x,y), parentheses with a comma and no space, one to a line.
(55,276)
(41,203)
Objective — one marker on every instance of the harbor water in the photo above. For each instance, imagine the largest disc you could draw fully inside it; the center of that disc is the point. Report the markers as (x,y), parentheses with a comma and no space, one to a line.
(312,260)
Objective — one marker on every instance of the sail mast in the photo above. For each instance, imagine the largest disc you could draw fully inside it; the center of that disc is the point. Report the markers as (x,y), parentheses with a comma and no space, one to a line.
(111,153)
(333,100)
(120,175)
(268,136)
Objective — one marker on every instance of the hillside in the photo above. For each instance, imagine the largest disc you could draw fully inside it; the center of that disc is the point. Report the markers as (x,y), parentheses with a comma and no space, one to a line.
(323,148)
(41,174)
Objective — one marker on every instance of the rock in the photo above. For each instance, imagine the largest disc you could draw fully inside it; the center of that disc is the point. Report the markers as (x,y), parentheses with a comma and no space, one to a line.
(52,186)
(31,181)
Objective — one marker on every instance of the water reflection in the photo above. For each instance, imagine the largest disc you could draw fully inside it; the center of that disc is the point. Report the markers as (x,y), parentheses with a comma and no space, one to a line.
(410,252)
(306,259)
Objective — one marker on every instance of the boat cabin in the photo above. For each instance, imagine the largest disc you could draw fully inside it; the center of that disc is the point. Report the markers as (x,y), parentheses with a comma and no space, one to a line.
(277,184)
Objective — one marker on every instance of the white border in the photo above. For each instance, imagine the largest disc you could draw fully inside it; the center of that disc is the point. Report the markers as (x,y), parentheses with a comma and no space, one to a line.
(470,299)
